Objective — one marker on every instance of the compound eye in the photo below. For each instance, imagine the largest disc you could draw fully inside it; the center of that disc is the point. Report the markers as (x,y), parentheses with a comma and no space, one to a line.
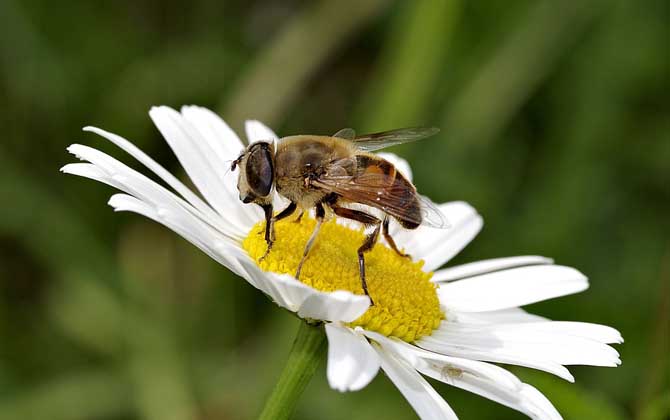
(260,170)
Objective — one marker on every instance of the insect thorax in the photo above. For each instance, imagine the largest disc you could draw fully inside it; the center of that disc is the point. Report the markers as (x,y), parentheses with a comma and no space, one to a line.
(300,158)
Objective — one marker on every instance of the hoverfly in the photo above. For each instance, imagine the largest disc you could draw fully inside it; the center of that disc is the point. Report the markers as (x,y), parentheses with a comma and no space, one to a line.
(330,173)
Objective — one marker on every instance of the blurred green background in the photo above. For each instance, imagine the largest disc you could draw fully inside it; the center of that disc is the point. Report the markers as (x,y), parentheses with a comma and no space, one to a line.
(555,125)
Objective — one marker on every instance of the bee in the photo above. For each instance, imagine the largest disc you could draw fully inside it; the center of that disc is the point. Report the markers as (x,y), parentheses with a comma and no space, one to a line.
(335,175)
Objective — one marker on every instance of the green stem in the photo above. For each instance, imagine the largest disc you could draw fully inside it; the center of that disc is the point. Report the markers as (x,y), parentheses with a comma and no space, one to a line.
(308,349)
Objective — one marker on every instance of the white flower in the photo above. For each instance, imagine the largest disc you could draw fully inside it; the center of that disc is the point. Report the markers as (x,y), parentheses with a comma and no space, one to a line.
(479,303)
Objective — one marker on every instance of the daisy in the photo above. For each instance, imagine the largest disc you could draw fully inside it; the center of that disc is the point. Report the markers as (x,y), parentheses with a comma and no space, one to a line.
(449,324)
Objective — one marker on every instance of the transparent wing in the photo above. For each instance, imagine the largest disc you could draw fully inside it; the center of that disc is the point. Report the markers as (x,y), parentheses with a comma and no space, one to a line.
(376,141)
(346,133)
(432,215)
(396,197)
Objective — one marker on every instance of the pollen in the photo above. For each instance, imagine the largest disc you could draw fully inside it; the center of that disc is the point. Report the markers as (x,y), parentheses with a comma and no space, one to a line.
(405,301)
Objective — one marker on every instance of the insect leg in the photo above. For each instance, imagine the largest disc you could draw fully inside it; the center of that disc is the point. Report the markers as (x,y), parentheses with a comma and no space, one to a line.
(370,239)
(389,239)
(320,214)
(286,212)
(269,228)
(270,223)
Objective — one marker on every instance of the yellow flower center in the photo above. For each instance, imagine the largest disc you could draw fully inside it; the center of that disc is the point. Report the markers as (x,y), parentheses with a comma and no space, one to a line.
(405,301)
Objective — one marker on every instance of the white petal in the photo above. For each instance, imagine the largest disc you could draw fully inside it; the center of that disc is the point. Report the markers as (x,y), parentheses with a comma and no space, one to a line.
(533,404)
(184,224)
(600,333)
(481,378)
(86,170)
(220,137)
(423,359)
(161,172)
(222,141)
(509,315)
(155,202)
(279,203)
(257,131)
(284,290)
(206,171)
(492,354)
(437,246)
(339,305)
(427,403)
(309,303)
(534,401)
(400,164)
(541,345)
(352,362)
(511,288)
(487,266)
(112,172)
(423,239)
(522,322)
(460,237)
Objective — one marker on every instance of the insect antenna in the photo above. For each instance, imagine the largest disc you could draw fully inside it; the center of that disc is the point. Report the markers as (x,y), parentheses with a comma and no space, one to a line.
(230,165)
